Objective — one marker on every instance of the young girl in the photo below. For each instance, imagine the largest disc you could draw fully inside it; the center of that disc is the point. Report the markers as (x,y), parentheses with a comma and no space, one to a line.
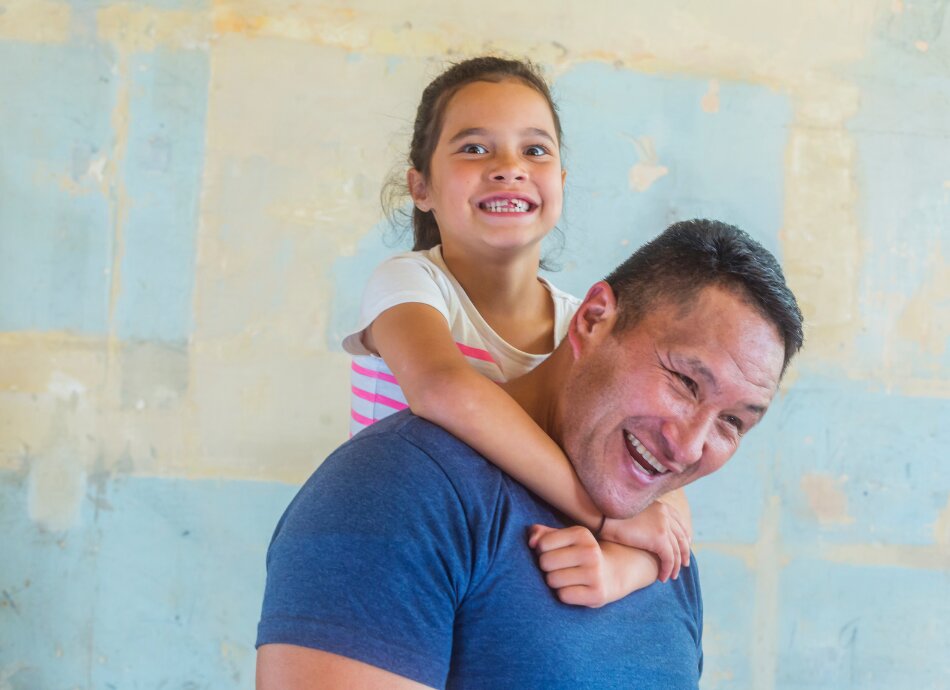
(466,309)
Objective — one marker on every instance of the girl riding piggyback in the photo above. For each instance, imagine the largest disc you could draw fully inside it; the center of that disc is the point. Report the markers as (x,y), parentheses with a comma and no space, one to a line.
(442,326)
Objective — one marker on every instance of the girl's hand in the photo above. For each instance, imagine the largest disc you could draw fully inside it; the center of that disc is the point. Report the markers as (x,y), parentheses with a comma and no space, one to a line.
(585,572)
(658,529)
(574,565)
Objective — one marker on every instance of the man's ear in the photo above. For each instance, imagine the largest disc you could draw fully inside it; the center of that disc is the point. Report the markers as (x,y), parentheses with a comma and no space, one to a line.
(418,189)
(594,319)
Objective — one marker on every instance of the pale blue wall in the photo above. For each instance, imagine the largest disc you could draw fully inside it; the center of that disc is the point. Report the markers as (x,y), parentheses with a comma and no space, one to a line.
(120,154)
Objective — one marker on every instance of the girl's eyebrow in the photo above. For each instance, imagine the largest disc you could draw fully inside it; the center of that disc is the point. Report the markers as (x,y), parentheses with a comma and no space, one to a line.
(481,131)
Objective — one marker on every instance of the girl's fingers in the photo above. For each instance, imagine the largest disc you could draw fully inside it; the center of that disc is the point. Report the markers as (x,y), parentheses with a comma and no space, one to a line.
(548,539)
(578,595)
(571,556)
(677,555)
(684,546)
(535,532)
(569,577)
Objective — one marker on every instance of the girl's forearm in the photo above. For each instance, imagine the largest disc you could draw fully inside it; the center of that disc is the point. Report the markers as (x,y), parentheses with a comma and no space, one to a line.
(483,415)
(628,569)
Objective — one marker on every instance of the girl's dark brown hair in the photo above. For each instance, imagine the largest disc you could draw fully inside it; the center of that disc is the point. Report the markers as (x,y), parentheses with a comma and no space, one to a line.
(428,127)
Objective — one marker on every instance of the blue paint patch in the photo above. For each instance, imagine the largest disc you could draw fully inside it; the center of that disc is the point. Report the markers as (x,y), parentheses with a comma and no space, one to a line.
(162,175)
(890,450)
(902,132)
(393,63)
(350,274)
(848,626)
(157,570)
(728,505)
(728,165)
(55,227)
(728,621)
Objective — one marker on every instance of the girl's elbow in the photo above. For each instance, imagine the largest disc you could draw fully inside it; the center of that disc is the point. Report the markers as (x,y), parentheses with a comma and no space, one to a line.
(437,397)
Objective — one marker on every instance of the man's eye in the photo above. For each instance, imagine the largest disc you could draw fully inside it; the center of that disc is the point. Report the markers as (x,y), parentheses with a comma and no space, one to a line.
(735,423)
(536,151)
(474,148)
(688,382)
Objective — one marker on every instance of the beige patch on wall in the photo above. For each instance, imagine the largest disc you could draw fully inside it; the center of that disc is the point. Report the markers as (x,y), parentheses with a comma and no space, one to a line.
(710,100)
(942,527)
(826,498)
(35,21)
(925,321)
(134,28)
(648,169)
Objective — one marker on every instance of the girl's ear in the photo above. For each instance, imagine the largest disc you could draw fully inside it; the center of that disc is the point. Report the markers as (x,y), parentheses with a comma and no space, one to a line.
(418,189)
(594,319)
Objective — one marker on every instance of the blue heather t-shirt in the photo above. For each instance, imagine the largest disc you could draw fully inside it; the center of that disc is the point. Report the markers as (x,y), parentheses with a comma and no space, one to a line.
(408,550)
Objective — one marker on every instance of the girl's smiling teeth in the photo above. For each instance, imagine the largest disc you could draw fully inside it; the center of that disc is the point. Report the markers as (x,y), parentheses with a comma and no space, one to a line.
(506,205)
(643,457)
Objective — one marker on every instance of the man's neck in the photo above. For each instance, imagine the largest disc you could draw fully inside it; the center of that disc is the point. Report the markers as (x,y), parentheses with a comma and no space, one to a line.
(538,391)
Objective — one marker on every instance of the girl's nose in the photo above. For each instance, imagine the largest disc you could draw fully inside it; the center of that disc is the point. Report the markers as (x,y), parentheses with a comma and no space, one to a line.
(507,168)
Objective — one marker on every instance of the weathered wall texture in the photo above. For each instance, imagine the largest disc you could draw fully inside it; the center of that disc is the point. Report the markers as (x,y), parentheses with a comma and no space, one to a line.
(189,206)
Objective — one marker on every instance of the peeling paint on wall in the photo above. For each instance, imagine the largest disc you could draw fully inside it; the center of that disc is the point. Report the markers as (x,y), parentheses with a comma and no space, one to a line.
(828,502)
(36,21)
(647,170)
(189,205)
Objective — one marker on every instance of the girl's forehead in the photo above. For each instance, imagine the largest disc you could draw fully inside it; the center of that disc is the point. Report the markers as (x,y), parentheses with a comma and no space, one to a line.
(506,102)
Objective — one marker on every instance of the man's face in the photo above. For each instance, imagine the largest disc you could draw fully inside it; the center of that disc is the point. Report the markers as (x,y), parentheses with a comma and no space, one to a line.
(666,402)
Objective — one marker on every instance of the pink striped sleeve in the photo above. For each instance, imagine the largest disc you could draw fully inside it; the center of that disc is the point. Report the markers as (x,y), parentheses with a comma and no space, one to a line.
(475,353)
(377,398)
(374,374)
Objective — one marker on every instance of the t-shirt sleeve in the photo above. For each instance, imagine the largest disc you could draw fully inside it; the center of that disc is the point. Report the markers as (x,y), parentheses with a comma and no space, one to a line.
(402,279)
(370,561)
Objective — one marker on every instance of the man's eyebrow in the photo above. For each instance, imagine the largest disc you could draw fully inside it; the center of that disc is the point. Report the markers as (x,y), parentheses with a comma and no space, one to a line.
(697,367)
(481,131)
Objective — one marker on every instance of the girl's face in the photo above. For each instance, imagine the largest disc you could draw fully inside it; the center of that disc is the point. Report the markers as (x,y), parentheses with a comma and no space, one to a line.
(495,181)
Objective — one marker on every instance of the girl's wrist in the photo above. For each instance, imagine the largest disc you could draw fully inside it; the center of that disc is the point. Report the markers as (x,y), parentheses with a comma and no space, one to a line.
(608,530)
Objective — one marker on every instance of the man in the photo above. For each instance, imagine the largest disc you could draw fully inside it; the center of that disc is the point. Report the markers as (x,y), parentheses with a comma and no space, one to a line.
(403,561)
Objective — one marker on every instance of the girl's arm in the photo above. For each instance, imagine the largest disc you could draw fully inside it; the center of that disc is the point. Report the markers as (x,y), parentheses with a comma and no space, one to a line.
(440,385)
(585,572)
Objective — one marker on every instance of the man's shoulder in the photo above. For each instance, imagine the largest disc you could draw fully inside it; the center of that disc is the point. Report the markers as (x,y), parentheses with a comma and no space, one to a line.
(406,450)
(404,434)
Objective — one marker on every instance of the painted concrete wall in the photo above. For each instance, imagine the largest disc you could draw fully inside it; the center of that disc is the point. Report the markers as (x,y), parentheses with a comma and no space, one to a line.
(188,208)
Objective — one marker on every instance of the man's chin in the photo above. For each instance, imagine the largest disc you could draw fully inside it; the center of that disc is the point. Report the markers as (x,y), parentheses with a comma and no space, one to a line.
(618,508)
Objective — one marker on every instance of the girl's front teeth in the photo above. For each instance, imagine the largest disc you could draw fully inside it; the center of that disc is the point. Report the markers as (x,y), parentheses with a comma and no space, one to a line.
(506,206)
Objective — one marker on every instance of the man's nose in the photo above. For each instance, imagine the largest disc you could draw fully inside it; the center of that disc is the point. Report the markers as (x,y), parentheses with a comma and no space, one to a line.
(686,438)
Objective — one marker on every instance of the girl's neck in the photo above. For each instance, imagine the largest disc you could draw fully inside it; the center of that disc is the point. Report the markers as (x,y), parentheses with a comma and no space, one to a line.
(508,295)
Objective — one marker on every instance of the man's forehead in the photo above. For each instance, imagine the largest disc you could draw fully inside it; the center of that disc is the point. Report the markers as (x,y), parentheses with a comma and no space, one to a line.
(718,330)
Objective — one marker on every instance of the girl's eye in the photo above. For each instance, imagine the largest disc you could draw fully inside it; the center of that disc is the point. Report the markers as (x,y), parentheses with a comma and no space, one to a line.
(536,151)
(474,148)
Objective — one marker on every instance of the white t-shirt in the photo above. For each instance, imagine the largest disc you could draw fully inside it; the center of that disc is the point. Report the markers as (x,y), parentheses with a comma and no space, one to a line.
(424,278)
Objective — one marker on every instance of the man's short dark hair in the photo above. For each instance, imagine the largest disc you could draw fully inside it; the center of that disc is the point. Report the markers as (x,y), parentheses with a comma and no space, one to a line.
(696,254)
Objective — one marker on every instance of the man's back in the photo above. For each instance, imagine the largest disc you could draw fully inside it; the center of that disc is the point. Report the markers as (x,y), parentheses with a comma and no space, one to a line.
(407,550)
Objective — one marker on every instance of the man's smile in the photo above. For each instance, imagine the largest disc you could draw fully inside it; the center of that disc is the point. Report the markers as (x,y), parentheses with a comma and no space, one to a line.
(643,457)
